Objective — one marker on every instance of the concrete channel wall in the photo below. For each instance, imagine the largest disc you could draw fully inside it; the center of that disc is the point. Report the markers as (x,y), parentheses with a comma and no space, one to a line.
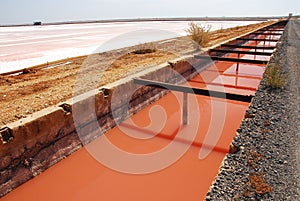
(31,145)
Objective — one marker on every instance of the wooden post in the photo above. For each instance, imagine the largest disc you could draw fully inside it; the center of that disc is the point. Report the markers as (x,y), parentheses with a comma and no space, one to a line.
(236,78)
(237,64)
(255,46)
(185,109)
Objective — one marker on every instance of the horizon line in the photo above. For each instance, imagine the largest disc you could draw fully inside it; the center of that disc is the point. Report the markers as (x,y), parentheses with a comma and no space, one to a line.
(206,18)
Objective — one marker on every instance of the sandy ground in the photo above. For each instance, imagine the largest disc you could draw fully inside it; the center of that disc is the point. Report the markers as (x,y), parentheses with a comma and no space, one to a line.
(52,83)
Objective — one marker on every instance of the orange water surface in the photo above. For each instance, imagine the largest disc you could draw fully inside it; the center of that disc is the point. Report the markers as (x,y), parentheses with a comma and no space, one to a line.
(82,177)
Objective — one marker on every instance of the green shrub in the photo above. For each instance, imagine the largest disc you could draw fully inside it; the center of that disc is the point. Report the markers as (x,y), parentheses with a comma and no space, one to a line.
(198,33)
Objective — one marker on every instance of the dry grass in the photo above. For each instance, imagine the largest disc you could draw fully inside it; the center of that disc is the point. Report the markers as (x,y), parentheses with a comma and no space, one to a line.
(258,184)
(199,34)
(145,48)
(275,78)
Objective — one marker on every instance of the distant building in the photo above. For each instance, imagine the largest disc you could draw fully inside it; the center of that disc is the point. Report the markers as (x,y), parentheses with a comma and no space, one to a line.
(290,15)
(37,23)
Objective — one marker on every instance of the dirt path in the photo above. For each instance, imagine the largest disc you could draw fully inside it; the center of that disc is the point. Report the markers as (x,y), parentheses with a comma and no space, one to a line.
(41,87)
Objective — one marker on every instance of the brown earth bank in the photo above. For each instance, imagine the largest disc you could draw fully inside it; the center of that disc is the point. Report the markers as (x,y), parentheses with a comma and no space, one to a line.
(42,86)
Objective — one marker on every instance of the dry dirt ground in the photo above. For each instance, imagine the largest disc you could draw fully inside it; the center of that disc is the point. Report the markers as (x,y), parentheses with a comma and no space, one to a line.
(49,84)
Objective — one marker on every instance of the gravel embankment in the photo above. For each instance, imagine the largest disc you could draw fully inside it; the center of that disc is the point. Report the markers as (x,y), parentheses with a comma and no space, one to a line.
(267,165)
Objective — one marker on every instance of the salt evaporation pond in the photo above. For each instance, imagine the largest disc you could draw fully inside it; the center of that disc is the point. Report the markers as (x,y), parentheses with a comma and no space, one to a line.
(26,46)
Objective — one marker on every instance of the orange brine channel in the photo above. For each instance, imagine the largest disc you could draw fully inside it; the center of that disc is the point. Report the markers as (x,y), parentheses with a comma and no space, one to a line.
(82,177)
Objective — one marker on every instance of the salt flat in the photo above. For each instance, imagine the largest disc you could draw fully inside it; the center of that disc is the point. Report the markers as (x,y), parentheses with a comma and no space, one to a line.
(26,46)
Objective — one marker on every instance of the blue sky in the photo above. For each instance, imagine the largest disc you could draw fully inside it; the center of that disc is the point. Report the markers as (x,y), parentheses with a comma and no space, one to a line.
(27,11)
